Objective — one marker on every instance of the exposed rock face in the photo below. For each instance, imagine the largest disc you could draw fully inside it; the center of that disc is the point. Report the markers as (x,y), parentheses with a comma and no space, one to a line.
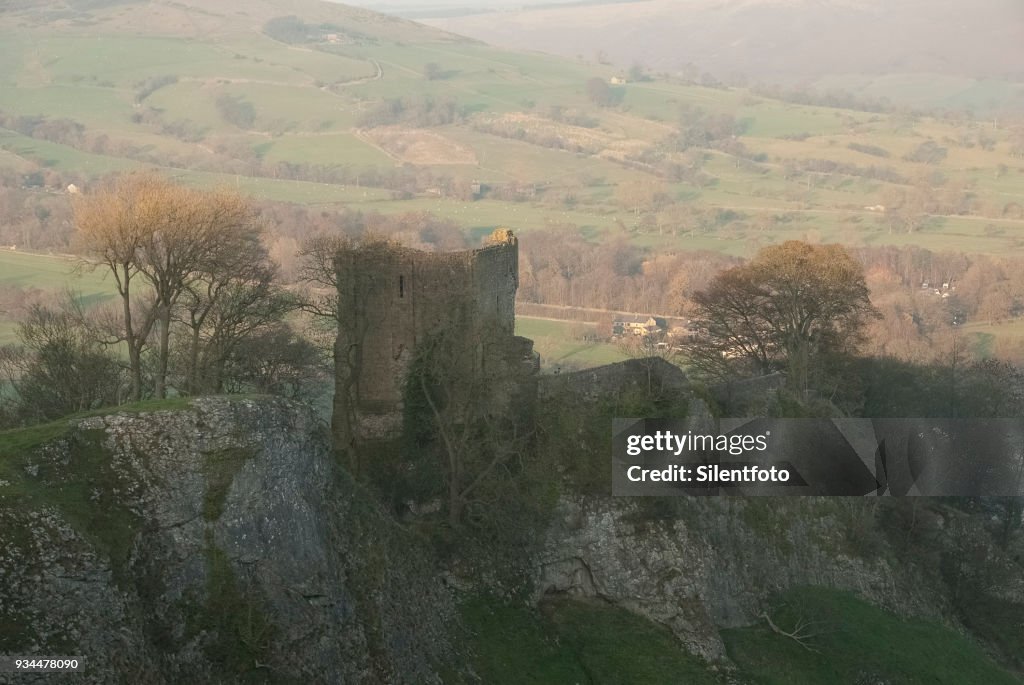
(207,544)
(221,543)
(700,564)
(714,562)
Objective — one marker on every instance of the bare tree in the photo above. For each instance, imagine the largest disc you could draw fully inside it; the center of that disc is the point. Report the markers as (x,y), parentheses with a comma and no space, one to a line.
(231,298)
(275,360)
(319,275)
(803,632)
(163,237)
(112,223)
(205,234)
(222,317)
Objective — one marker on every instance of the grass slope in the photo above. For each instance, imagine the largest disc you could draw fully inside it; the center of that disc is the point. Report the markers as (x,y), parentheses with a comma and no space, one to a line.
(308,99)
(573,641)
(559,347)
(88,62)
(16,443)
(857,642)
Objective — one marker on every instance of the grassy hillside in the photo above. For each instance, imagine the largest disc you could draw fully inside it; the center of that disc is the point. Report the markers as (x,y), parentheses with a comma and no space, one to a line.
(574,642)
(854,642)
(914,52)
(335,107)
(49,275)
(152,84)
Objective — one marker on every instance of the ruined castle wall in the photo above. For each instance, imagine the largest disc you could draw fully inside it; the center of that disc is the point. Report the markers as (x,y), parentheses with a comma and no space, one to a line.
(425,293)
(397,297)
(496,278)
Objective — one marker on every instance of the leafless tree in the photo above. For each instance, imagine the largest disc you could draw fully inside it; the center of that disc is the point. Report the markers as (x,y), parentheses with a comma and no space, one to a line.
(803,632)
(159,239)
(229,301)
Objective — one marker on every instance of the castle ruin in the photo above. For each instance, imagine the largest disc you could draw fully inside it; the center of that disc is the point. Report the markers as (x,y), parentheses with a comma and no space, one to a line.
(394,301)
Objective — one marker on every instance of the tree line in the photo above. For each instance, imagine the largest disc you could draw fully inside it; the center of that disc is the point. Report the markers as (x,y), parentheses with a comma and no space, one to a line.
(561,265)
(806,311)
(200,307)
(232,156)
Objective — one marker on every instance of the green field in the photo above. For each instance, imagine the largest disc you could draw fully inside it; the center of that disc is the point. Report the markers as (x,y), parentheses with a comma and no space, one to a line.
(1003,339)
(327,149)
(573,641)
(281,190)
(514,111)
(559,347)
(856,642)
(53,273)
(61,157)
(51,276)
(308,101)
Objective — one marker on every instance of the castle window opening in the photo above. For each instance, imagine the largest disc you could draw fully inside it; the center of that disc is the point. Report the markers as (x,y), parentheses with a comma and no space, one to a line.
(401,286)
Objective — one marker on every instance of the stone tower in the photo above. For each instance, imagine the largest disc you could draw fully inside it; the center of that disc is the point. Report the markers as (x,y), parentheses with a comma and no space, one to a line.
(392,299)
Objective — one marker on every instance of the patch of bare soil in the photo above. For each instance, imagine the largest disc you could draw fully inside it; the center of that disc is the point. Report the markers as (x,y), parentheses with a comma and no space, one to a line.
(420,147)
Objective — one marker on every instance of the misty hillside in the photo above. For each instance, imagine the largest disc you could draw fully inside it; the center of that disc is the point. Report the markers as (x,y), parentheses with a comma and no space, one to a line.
(333,110)
(208,19)
(891,48)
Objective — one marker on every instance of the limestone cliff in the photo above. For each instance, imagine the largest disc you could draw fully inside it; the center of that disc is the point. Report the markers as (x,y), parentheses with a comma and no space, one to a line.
(219,542)
(212,543)
(716,562)
(698,565)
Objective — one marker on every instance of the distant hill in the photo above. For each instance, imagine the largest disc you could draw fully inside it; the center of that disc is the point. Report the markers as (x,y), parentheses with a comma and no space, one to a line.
(208,19)
(852,42)
(339,107)
(357,114)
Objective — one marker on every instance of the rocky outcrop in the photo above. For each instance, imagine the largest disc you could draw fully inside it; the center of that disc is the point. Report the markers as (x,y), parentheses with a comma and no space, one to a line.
(213,543)
(219,542)
(701,564)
